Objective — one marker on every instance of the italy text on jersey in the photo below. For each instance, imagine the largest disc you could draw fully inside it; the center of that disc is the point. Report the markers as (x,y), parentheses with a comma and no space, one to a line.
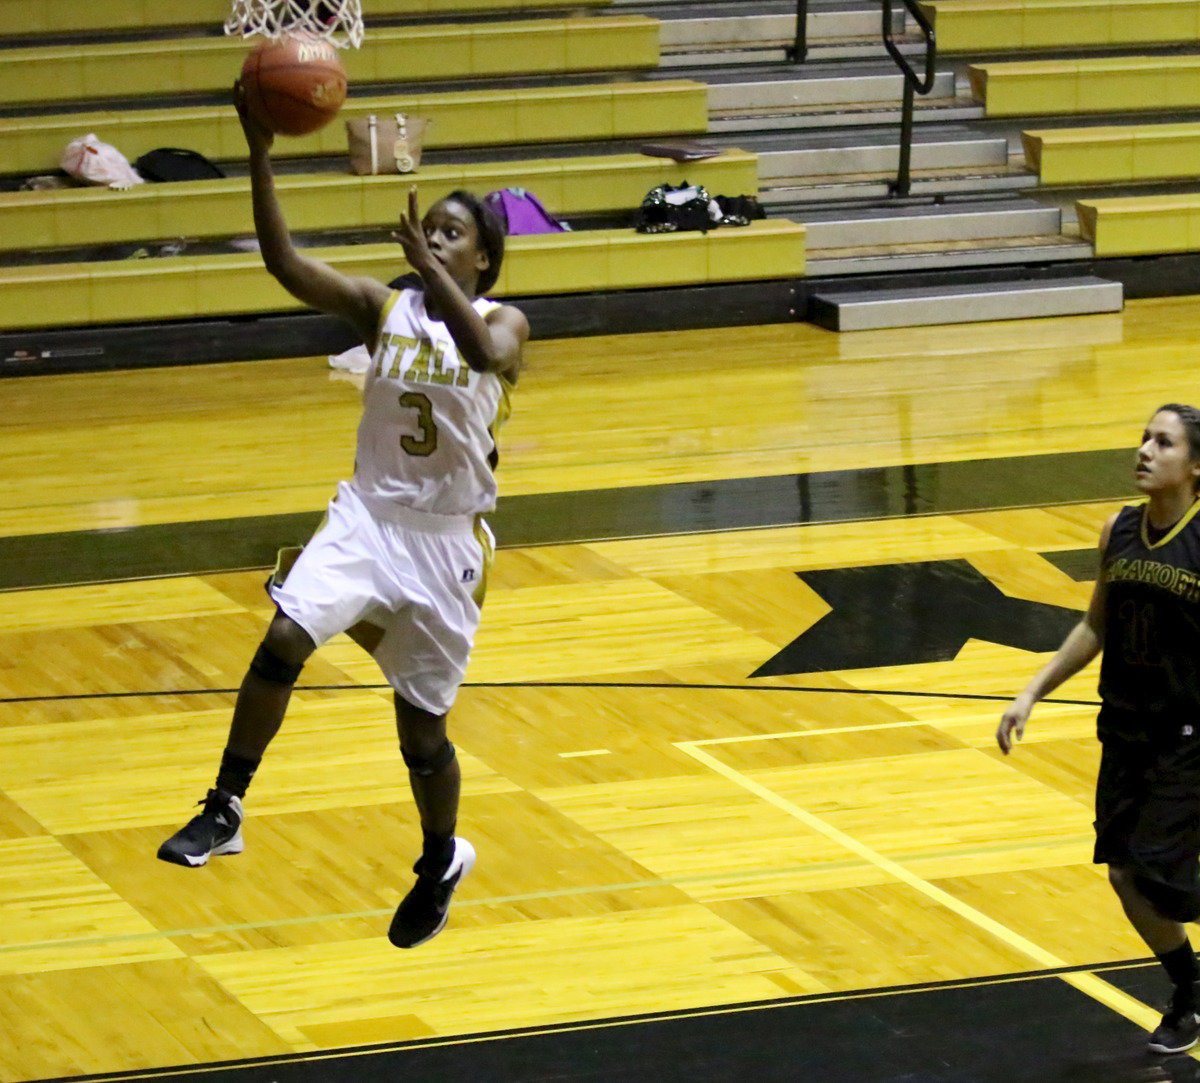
(430,363)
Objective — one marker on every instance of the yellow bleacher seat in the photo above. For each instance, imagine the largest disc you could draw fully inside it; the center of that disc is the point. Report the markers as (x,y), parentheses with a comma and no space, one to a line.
(20,18)
(460,119)
(322,201)
(1000,25)
(397,54)
(554,263)
(1111,155)
(1094,85)
(1141,225)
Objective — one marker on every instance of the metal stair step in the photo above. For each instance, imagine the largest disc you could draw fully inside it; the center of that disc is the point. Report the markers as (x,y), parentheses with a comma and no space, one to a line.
(782,93)
(942,255)
(861,114)
(816,102)
(927,182)
(874,226)
(776,52)
(915,306)
(682,33)
(866,157)
(864,169)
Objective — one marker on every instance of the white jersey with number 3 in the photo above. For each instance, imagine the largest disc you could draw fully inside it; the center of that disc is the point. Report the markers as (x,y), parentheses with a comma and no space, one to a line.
(427,439)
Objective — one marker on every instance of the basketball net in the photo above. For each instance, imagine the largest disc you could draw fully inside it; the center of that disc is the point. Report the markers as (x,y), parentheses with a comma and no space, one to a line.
(337,21)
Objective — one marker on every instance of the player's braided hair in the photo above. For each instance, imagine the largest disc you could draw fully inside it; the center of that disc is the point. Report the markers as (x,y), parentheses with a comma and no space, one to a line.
(491,236)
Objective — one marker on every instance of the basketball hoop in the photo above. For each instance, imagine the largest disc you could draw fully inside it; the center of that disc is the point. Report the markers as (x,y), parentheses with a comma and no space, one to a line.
(337,21)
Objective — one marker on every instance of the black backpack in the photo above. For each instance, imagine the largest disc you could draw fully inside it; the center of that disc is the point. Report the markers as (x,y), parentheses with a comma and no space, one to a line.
(176,164)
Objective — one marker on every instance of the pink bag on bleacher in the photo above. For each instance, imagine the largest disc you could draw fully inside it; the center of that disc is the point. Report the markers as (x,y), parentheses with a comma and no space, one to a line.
(522,212)
(89,160)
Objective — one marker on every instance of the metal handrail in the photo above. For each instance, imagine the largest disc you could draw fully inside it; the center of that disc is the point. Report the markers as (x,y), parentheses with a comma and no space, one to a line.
(797,52)
(913,84)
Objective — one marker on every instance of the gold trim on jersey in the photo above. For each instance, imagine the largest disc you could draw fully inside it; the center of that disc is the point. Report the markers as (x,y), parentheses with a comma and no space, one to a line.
(1173,532)
(284,559)
(503,412)
(384,315)
(484,537)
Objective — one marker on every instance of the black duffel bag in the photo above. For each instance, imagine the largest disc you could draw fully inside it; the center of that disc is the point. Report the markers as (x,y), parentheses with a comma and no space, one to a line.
(176,164)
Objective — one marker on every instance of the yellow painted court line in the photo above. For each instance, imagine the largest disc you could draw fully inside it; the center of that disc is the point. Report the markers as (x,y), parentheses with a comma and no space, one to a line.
(1112,997)
(869,727)
(1098,989)
(907,724)
(585,752)
(940,725)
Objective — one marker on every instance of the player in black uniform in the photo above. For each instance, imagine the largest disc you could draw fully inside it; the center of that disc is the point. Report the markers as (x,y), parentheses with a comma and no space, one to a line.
(1146,611)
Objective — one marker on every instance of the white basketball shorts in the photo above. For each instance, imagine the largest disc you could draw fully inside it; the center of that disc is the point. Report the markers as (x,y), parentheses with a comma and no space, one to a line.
(417,577)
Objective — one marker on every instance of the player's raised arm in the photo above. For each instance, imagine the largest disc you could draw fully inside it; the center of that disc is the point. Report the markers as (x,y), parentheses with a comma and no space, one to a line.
(359,301)
(491,343)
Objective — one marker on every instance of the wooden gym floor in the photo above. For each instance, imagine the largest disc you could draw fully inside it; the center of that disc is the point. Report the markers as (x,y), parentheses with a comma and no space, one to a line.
(726,740)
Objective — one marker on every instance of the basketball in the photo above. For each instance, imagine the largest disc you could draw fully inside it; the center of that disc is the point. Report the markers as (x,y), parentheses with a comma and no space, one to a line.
(294,85)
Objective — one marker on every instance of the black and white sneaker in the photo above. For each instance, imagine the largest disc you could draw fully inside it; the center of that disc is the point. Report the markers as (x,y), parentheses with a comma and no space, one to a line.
(1177,1032)
(217,830)
(423,913)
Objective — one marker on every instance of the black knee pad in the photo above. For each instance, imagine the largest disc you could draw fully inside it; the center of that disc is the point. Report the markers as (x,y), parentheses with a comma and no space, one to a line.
(426,766)
(267,665)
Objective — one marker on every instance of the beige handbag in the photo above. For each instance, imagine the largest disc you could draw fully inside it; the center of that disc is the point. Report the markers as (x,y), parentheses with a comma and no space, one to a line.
(385,144)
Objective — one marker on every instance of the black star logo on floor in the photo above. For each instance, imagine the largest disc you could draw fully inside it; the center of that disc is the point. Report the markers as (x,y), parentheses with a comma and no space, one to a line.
(903,614)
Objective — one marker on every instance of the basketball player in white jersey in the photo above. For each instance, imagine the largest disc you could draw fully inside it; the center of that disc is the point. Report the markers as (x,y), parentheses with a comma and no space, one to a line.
(401,561)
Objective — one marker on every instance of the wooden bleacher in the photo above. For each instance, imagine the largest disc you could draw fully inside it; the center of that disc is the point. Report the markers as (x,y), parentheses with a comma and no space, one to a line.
(1112,154)
(406,54)
(109,290)
(1141,225)
(183,287)
(990,26)
(460,119)
(1121,84)
(325,201)
(1120,154)
(21,18)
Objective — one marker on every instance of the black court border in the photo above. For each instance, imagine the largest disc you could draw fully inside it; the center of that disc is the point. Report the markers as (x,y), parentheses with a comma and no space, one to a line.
(209,546)
(227,1070)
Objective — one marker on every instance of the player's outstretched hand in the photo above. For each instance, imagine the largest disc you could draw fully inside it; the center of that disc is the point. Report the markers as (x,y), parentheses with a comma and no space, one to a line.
(411,236)
(1012,724)
(258,136)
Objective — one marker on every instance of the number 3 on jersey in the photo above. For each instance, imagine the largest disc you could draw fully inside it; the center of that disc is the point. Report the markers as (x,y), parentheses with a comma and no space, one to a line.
(426,442)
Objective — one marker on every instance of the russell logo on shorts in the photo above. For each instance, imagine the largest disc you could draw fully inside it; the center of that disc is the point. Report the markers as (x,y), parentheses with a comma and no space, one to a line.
(468,575)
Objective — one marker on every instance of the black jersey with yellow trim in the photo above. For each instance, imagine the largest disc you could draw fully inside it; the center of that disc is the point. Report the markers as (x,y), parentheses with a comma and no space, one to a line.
(1150,672)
